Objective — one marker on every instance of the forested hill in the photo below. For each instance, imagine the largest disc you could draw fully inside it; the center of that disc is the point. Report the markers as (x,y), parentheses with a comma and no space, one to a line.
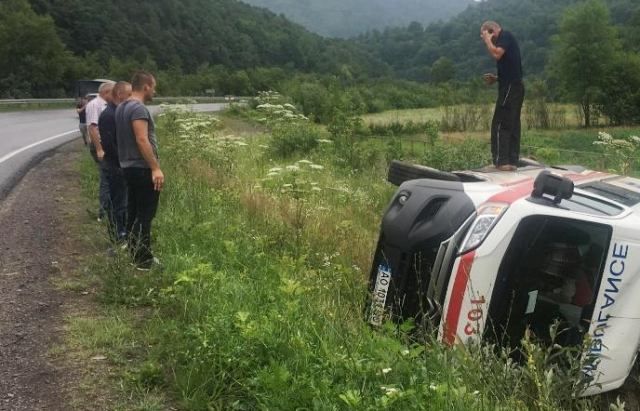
(188,33)
(46,44)
(413,50)
(347,18)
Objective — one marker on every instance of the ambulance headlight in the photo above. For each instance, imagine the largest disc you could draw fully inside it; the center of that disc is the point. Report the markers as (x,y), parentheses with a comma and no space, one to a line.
(487,217)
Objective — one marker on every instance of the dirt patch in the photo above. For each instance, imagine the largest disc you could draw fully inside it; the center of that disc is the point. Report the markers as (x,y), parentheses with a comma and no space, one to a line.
(36,247)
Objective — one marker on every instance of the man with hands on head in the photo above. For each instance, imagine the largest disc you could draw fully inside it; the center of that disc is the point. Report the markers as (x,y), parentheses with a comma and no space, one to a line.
(505,126)
(138,155)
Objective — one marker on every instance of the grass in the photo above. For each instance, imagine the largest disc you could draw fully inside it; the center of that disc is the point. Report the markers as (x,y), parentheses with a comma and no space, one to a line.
(259,303)
(568,115)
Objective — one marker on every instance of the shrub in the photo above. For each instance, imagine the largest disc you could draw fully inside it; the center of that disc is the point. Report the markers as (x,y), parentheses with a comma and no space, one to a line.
(290,138)
(459,156)
(466,117)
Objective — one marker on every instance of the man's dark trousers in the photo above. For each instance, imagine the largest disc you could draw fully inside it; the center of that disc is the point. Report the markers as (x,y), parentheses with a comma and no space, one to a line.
(117,211)
(104,184)
(142,203)
(505,126)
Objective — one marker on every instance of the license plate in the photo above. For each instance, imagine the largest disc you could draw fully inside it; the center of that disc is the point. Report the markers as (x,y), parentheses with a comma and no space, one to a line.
(379,297)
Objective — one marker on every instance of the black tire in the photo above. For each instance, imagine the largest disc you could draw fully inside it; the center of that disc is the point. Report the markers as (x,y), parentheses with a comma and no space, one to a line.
(400,172)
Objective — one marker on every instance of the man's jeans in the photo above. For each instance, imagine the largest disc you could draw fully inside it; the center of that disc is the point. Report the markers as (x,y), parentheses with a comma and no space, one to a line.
(141,208)
(117,206)
(104,185)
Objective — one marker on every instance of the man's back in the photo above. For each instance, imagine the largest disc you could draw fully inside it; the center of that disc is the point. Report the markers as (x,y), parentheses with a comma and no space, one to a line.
(510,65)
(107,127)
(93,110)
(128,151)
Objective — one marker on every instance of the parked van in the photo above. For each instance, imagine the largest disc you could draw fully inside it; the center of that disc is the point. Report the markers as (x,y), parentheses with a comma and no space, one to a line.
(490,254)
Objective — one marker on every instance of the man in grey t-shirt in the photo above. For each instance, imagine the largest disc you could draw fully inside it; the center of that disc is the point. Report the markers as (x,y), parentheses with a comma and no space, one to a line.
(138,155)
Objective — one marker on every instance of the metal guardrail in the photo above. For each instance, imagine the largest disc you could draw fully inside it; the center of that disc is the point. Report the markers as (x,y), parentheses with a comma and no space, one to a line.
(200,99)
(36,101)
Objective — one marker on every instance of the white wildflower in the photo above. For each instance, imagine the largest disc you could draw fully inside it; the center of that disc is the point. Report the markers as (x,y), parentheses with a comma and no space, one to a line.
(405,352)
(390,390)
(386,370)
(316,189)
(324,141)
(287,185)
(275,170)
(304,162)
(293,168)
(316,167)
(273,174)
(241,143)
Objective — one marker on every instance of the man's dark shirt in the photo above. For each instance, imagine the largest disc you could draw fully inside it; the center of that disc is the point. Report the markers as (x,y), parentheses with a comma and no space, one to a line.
(107,128)
(509,66)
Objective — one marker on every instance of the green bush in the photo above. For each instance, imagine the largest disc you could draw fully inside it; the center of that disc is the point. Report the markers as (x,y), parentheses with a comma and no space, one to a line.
(468,154)
(289,138)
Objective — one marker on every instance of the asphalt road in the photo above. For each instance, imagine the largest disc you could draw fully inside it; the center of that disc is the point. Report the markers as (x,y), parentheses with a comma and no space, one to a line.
(27,136)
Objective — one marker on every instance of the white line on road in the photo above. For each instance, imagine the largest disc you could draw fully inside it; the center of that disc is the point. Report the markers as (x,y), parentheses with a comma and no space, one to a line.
(37,143)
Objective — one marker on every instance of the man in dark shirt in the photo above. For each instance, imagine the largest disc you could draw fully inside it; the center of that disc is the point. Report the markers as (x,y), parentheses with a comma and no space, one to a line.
(505,126)
(117,210)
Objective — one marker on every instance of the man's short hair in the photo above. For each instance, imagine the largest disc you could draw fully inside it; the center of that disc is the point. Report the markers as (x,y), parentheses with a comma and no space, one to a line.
(490,25)
(105,86)
(120,87)
(140,79)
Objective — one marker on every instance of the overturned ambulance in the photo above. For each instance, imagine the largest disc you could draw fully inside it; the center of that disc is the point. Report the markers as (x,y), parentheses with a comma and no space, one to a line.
(489,254)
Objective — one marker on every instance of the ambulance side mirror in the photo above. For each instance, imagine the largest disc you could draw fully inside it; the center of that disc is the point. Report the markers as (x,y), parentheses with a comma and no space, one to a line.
(554,185)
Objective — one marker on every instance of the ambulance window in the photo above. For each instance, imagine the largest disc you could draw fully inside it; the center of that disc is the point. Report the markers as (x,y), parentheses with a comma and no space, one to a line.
(618,194)
(550,272)
(589,205)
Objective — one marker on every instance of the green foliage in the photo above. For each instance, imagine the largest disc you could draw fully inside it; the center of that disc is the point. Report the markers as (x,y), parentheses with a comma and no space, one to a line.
(449,157)
(583,52)
(33,60)
(619,98)
(624,150)
(335,18)
(289,138)
(538,111)
(442,70)
(467,117)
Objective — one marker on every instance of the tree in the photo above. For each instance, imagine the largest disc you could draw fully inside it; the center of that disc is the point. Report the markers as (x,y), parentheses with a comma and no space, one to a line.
(583,52)
(442,70)
(33,59)
(620,100)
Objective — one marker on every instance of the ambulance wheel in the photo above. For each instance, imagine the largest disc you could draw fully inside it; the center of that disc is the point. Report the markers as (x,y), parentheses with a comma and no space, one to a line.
(400,172)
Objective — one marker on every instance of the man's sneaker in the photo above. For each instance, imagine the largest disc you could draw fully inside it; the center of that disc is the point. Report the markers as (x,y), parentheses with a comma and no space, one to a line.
(147,265)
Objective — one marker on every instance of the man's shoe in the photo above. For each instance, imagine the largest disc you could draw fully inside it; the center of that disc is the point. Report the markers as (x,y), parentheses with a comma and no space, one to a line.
(147,265)
(507,167)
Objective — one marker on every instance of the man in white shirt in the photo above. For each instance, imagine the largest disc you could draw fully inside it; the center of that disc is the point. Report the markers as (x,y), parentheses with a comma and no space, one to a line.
(93,110)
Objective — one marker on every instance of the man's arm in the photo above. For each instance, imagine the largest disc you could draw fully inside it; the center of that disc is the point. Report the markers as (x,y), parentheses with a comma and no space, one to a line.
(495,52)
(141,130)
(94,134)
(93,114)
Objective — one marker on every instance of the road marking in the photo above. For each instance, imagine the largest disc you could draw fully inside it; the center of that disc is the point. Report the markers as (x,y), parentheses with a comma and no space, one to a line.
(37,143)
